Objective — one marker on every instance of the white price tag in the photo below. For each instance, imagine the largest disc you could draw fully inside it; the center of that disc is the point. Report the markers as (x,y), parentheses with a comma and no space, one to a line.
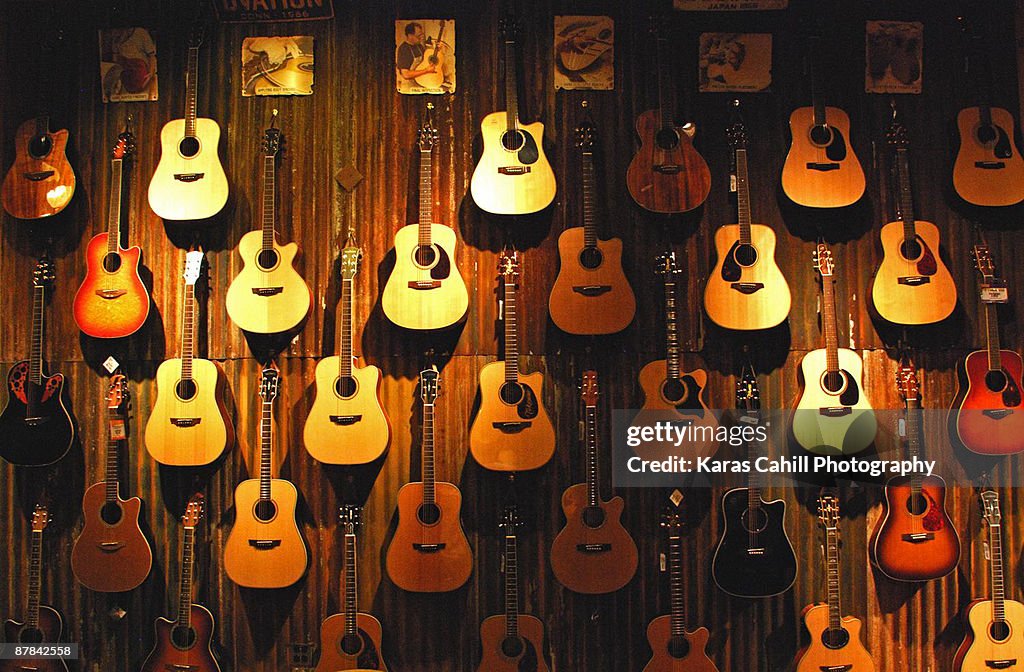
(995,292)
(110,364)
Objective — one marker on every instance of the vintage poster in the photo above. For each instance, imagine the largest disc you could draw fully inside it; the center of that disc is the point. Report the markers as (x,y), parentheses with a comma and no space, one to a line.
(425,55)
(127,65)
(584,53)
(247,11)
(735,61)
(728,5)
(895,53)
(277,66)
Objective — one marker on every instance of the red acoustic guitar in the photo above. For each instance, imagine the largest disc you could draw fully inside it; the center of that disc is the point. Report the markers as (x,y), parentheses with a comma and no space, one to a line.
(986,416)
(112,301)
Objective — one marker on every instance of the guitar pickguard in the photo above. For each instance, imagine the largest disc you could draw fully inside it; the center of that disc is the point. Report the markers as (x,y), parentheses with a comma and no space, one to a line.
(527,407)
(17,383)
(691,402)
(529,153)
(851,395)
(369,657)
(934,519)
(731,269)
(443,268)
(528,661)
(1011,393)
(926,265)
(836,150)
(1002,147)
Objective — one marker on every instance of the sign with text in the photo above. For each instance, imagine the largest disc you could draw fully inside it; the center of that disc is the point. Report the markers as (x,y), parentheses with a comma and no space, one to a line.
(244,11)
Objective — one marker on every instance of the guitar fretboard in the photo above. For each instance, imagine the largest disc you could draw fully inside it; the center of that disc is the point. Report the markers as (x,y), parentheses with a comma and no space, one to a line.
(742,196)
(185,588)
(269,201)
(114,419)
(677,588)
(671,327)
(35,360)
(266,447)
(114,211)
(511,587)
(426,196)
(589,225)
(835,617)
(829,324)
(906,202)
(991,317)
(511,86)
(188,329)
(511,331)
(913,410)
(191,87)
(817,100)
(995,549)
(351,582)
(35,579)
(428,452)
(593,476)
(345,350)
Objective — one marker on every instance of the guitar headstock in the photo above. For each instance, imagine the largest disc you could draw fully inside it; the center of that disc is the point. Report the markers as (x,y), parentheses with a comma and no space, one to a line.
(430,381)
(906,381)
(748,396)
(588,389)
(672,520)
(737,130)
(124,146)
(427,135)
(823,260)
(196,35)
(508,267)
(897,132)
(43,275)
(117,392)
(271,144)
(40,518)
(193,266)
(990,507)
(194,511)
(665,264)
(510,521)
(350,517)
(509,27)
(983,260)
(828,511)
(586,135)
(350,257)
(270,382)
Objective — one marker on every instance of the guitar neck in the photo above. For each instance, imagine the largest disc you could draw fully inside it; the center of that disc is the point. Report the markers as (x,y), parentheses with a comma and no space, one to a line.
(755,483)
(266,447)
(511,587)
(345,351)
(35,361)
(116,422)
(829,324)
(35,579)
(677,589)
(188,331)
(191,86)
(991,318)
(906,202)
(187,564)
(114,211)
(671,327)
(269,201)
(817,100)
(428,453)
(511,331)
(593,476)
(351,597)
(511,86)
(589,226)
(742,196)
(995,546)
(913,420)
(665,117)
(426,196)
(835,612)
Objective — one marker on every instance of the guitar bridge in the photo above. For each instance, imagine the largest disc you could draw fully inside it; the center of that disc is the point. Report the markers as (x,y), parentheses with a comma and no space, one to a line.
(264,544)
(428,548)
(110,293)
(997,413)
(914,280)
(990,165)
(593,548)
(668,168)
(513,170)
(175,667)
(110,546)
(823,167)
(185,422)
(38,176)
(267,291)
(747,287)
(188,177)
(755,551)
(918,537)
(424,284)
(835,411)
(592,290)
(345,420)
(835,668)
(1001,664)
(511,427)
(36,421)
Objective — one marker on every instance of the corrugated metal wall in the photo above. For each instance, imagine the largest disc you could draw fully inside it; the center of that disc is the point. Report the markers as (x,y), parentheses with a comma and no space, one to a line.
(356,117)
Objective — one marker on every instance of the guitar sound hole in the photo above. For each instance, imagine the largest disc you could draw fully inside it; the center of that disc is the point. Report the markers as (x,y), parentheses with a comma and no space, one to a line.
(746,255)
(111,262)
(667,138)
(111,513)
(267,259)
(833,382)
(512,647)
(986,134)
(593,516)
(513,141)
(678,647)
(426,255)
(821,135)
(911,249)
(345,386)
(265,510)
(674,391)
(39,146)
(428,514)
(185,389)
(999,631)
(995,381)
(31,636)
(511,393)
(917,504)
(835,639)
(755,520)
(351,644)
(590,258)
(188,147)
(182,637)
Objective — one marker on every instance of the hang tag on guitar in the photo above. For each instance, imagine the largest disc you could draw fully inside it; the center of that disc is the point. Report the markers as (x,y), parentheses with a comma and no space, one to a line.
(995,291)
(662,562)
(117,430)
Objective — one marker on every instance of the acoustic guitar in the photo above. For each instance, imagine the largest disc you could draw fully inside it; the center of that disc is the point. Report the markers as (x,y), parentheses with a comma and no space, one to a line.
(835,640)
(667,174)
(513,176)
(746,290)
(185,643)
(112,301)
(988,170)
(591,295)
(512,642)
(914,540)
(833,415)
(350,640)
(265,548)
(189,424)
(754,557)
(189,182)
(112,555)
(912,285)
(429,552)
(425,290)
(268,296)
(593,553)
(433,80)
(986,415)
(672,394)
(347,423)
(41,181)
(511,430)
(992,640)
(42,624)
(36,427)
(673,646)
(821,168)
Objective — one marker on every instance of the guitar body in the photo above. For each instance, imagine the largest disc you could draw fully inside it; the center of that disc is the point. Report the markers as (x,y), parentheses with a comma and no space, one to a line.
(268,296)
(525,654)
(913,291)
(446,560)
(346,425)
(111,303)
(111,555)
(431,80)
(591,295)
(341,652)
(738,571)
(686,653)
(817,656)
(980,647)
(593,553)
(833,424)
(187,185)
(822,171)
(988,170)
(48,631)
(193,654)
(667,174)
(746,290)
(670,400)
(425,292)
(513,435)
(915,540)
(193,431)
(265,548)
(515,181)
(41,436)
(40,182)
(985,420)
